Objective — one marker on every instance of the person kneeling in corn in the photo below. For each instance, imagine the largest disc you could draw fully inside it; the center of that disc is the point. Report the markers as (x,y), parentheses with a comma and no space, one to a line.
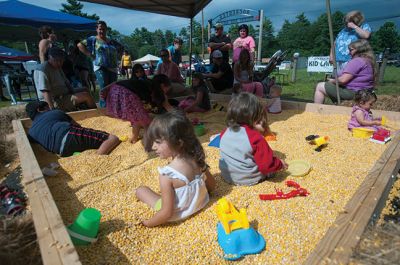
(186,181)
(58,133)
(246,158)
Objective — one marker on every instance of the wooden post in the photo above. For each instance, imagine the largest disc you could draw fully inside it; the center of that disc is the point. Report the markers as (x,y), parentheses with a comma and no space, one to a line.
(26,47)
(260,36)
(328,12)
(202,34)
(383,66)
(190,50)
(209,25)
(294,69)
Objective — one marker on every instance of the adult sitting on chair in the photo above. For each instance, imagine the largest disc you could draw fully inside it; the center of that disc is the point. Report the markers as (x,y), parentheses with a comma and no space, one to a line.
(221,74)
(358,74)
(54,88)
(171,70)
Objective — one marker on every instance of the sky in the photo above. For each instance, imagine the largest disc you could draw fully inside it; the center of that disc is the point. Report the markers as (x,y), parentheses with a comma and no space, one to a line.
(125,21)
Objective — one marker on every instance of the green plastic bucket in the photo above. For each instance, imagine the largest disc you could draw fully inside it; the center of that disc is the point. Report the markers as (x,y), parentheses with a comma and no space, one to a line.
(199,129)
(86,227)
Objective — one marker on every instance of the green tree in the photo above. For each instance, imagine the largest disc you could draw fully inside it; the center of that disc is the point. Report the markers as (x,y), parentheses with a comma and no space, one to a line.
(169,37)
(319,33)
(269,42)
(74,7)
(233,32)
(386,37)
(159,39)
(145,49)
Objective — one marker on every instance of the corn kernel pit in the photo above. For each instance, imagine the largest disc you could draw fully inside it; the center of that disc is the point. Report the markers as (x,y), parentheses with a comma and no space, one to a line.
(291,228)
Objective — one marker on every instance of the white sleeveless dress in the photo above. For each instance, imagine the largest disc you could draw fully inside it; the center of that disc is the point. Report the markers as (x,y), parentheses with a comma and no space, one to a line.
(189,198)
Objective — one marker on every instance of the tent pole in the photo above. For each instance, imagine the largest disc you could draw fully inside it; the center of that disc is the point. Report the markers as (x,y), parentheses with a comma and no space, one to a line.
(190,50)
(328,12)
(26,47)
(260,35)
(202,34)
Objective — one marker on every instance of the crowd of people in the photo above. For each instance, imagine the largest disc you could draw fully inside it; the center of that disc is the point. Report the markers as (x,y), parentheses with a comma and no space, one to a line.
(185,183)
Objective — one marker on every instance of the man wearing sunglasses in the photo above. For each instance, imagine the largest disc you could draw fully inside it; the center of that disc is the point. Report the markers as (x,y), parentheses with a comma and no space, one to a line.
(221,42)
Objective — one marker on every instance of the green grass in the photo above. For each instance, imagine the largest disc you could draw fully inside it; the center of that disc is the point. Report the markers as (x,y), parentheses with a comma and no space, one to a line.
(303,88)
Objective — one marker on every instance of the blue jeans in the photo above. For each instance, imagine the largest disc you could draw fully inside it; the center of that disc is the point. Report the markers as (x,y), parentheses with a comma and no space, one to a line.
(104,78)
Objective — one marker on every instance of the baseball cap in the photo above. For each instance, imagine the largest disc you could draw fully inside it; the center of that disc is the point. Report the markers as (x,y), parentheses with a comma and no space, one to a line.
(217,54)
(218,26)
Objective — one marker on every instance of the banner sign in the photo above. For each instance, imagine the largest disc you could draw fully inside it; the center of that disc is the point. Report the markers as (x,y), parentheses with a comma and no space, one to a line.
(236,16)
(319,64)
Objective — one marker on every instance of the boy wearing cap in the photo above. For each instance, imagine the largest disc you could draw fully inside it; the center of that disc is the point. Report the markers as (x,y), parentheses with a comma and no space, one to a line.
(221,42)
(221,74)
(59,133)
(53,86)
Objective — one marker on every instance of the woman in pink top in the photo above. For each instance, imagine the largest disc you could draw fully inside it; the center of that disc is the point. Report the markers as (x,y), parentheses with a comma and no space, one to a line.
(358,74)
(171,69)
(243,42)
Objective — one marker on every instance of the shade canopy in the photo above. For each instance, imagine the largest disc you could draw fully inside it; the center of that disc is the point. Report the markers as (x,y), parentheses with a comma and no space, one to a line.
(147,58)
(20,21)
(178,8)
(8,54)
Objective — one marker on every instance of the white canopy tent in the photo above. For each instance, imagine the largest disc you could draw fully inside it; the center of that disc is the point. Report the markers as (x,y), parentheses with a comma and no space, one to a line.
(147,58)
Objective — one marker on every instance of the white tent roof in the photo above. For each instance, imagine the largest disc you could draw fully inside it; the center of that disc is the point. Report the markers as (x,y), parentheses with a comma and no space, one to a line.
(147,58)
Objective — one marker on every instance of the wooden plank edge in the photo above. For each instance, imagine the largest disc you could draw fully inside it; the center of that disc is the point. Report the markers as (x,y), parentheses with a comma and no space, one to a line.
(54,242)
(331,242)
(368,209)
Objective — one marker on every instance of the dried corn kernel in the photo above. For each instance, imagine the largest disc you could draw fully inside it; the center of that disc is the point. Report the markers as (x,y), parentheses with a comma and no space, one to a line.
(292,228)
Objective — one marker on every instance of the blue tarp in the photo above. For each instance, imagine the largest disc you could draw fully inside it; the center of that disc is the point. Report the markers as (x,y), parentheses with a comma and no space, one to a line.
(7,54)
(16,13)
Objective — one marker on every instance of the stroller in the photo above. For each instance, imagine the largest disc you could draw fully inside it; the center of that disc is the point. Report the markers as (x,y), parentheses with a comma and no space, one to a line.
(262,77)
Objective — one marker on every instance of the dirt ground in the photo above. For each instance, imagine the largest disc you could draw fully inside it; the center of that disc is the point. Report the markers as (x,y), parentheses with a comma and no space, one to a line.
(380,243)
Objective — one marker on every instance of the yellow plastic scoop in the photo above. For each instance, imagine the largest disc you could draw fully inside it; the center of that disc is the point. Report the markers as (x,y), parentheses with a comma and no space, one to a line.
(383,120)
(123,138)
(299,168)
(362,132)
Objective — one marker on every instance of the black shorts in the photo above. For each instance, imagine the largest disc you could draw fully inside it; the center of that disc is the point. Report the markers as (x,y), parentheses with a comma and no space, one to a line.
(80,139)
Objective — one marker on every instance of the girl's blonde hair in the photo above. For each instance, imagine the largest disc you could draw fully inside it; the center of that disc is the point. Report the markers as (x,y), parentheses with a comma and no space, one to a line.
(363,49)
(245,109)
(175,128)
(354,16)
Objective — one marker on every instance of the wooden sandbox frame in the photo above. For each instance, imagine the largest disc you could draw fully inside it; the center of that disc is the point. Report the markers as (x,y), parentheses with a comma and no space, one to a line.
(337,245)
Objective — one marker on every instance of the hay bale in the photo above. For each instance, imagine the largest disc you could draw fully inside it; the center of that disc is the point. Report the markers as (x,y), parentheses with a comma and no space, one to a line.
(384,102)
(8,149)
(8,114)
(18,241)
(379,245)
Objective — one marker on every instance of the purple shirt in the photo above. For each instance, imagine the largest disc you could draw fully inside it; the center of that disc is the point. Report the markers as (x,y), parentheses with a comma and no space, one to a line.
(353,123)
(362,72)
